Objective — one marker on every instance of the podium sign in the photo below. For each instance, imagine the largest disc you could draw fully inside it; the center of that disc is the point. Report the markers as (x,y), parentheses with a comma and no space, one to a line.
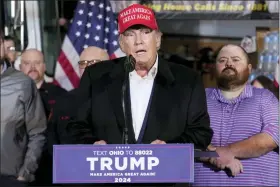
(132,163)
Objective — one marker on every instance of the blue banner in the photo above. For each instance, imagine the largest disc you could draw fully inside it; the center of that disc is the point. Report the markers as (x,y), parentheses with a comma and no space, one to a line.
(133,163)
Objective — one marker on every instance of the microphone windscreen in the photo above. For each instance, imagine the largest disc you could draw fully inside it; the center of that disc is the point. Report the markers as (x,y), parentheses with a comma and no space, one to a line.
(129,64)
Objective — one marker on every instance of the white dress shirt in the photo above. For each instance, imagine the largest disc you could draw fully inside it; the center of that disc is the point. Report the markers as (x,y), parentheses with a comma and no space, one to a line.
(140,92)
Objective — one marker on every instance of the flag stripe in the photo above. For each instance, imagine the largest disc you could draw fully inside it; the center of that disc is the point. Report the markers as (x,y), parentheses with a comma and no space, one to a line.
(61,78)
(67,67)
(71,54)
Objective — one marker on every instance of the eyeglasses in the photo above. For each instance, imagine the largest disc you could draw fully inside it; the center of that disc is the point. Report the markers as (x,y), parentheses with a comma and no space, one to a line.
(85,63)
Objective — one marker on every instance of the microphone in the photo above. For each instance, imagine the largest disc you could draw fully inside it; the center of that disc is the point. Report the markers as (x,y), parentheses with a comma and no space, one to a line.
(129,66)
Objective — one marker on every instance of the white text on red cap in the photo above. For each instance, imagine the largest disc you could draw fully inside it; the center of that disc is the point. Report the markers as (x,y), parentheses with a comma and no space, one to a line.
(138,16)
(135,10)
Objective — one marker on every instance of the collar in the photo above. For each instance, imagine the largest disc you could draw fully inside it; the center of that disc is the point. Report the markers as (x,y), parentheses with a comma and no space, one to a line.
(164,73)
(247,92)
(151,74)
(43,87)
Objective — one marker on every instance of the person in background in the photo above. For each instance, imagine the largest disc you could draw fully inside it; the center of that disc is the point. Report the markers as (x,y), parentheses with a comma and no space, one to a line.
(205,64)
(64,111)
(182,57)
(66,10)
(10,49)
(245,123)
(264,82)
(66,107)
(205,60)
(32,64)
(23,124)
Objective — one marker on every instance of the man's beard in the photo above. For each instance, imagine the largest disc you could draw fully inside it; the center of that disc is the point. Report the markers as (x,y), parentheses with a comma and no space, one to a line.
(36,78)
(227,81)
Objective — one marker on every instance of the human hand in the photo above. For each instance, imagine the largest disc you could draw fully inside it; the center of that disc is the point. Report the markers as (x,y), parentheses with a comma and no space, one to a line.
(158,142)
(209,148)
(235,167)
(226,160)
(101,142)
(225,157)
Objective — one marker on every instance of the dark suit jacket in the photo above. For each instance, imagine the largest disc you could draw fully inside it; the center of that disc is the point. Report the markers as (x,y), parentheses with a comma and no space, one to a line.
(178,111)
(64,110)
(49,94)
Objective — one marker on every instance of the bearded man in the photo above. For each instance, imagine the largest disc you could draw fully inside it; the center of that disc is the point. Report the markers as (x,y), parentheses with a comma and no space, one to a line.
(33,65)
(245,124)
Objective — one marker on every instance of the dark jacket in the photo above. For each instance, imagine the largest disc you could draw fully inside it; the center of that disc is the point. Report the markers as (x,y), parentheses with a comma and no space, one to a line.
(178,111)
(63,111)
(49,94)
(23,123)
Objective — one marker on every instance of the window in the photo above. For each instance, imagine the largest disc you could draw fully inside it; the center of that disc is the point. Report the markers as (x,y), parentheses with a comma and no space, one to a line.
(50,33)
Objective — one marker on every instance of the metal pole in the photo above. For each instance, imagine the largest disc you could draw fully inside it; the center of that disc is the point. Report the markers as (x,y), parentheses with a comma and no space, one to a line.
(16,16)
(13,9)
(22,8)
(12,24)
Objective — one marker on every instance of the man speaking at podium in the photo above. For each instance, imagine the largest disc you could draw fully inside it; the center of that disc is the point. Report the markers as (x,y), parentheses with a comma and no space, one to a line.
(141,98)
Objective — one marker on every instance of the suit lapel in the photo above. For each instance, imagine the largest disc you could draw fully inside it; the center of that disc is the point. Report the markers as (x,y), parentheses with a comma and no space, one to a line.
(114,94)
(161,102)
(114,90)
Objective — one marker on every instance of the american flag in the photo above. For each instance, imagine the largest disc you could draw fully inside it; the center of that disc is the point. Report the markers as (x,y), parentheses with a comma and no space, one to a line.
(93,24)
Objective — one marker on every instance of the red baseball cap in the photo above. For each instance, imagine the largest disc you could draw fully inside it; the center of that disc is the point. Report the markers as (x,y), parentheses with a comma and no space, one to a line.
(136,14)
